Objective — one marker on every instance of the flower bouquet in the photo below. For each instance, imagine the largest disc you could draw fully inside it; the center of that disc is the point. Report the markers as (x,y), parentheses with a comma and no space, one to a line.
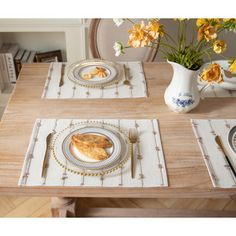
(185,55)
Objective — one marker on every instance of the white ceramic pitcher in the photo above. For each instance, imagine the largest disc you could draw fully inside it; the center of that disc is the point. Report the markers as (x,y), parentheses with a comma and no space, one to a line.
(182,94)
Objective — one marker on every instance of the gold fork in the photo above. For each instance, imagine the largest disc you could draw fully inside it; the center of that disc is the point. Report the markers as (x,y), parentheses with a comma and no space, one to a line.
(126,81)
(133,138)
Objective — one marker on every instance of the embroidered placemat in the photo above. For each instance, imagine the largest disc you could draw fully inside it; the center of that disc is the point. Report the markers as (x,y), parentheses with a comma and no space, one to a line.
(150,170)
(71,90)
(216,91)
(205,132)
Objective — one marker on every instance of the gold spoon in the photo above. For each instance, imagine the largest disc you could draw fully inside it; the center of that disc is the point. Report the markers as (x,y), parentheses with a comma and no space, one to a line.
(126,81)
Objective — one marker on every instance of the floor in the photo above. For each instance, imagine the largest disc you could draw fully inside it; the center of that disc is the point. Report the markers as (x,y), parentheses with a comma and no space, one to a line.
(39,207)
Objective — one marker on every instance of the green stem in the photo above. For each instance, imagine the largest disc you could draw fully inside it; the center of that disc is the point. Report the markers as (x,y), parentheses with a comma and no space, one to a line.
(184,34)
(163,52)
(179,29)
(130,21)
(170,38)
(167,45)
(208,55)
(193,34)
(223,57)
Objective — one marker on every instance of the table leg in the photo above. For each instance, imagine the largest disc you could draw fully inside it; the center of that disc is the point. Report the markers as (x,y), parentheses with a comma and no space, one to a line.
(63,207)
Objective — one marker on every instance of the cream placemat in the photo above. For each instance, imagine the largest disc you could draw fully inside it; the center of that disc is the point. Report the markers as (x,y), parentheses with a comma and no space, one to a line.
(215,90)
(149,158)
(71,90)
(219,170)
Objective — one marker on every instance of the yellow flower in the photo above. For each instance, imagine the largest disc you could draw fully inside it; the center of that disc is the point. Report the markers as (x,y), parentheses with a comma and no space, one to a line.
(229,20)
(207,32)
(138,36)
(155,29)
(219,46)
(215,22)
(212,74)
(201,21)
(232,67)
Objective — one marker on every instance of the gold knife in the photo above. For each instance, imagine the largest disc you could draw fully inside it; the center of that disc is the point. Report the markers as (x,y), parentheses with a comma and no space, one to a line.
(220,144)
(61,83)
(46,155)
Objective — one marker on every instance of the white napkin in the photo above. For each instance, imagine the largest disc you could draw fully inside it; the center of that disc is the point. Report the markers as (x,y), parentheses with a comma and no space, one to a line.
(205,132)
(72,90)
(150,170)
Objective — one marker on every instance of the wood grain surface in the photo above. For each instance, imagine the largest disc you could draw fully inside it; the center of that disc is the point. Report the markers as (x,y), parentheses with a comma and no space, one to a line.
(188,176)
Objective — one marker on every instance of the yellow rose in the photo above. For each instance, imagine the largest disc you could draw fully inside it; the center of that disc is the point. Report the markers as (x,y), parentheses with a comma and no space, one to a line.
(155,29)
(212,74)
(206,32)
(232,67)
(229,20)
(201,21)
(138,36)
(214,22)
(219,46)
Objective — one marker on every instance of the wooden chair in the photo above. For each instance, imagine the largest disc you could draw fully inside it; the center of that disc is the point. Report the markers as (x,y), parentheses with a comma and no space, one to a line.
(102,35)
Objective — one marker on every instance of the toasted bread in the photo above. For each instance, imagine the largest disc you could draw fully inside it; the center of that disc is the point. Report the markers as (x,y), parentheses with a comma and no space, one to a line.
(96,153)
(92,140)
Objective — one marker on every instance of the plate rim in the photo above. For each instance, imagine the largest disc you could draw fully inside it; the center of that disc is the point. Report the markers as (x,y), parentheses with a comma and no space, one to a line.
(230,140)
(117,79)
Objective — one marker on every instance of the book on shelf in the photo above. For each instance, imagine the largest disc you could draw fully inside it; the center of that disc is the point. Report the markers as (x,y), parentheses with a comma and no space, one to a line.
(17,60)
(25,57)
(5,79)
(2,84)
(9,56)
(31,58)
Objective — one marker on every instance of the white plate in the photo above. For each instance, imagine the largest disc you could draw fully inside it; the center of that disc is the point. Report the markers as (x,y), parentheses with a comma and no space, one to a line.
(228,83)
(232,139)
(78,69)
(78,159)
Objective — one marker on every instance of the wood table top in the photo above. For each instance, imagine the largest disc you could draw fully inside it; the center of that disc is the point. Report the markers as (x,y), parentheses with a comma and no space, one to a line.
(187,173)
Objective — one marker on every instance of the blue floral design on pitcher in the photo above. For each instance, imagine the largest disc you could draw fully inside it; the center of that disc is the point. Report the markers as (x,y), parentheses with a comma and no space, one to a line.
(183,102)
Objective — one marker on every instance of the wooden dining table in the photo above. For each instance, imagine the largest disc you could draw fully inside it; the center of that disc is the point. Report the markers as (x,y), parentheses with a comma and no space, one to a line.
(187,174)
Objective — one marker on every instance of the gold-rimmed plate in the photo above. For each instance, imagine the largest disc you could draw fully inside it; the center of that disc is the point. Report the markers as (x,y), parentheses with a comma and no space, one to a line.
(80,170)
(232,139)
(79,159)
(112,73)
